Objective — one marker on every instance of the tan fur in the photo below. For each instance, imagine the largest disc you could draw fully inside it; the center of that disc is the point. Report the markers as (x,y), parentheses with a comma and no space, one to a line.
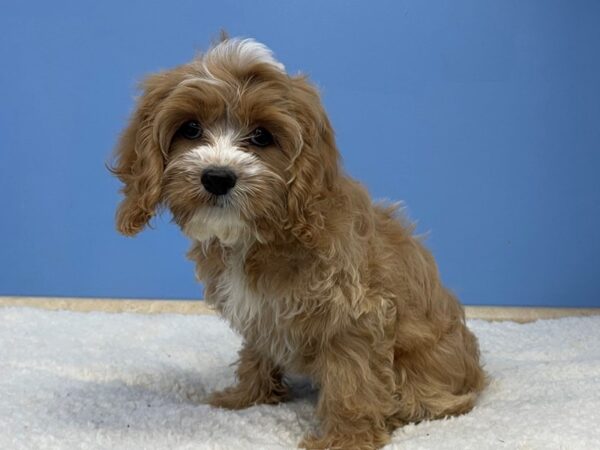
(316,278)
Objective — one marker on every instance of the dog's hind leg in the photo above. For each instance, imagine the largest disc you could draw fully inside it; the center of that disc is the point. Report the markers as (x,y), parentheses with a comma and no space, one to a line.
(441,381)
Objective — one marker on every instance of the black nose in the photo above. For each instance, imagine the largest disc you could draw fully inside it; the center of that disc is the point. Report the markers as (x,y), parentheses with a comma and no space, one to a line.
(218,180)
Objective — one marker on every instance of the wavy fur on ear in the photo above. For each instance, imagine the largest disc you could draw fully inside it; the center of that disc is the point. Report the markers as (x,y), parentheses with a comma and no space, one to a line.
(139,161)
(314,167)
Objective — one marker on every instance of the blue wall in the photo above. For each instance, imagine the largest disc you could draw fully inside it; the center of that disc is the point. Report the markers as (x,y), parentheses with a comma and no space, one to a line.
(484,116)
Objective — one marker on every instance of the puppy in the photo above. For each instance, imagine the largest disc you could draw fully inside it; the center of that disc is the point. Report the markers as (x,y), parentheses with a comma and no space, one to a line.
(316,278)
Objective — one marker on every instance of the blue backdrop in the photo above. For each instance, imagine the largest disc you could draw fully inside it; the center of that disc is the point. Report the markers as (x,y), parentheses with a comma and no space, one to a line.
(484,116)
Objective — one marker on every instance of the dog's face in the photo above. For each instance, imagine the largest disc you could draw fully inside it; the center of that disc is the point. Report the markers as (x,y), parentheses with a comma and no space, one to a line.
(231,144)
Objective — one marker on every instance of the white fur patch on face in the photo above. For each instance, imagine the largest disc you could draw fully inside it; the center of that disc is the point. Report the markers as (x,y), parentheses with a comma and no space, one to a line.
(222,152)
(244,52)
(224,219)
(208,222)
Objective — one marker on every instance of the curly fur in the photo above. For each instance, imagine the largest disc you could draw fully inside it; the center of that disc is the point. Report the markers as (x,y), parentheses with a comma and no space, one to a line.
(316,278)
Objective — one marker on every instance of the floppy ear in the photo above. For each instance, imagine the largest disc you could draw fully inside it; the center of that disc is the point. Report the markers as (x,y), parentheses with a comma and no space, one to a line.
(314,168)
(139,162)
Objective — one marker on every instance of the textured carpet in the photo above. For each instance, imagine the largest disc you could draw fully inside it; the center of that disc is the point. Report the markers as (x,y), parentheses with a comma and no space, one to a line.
(128,381)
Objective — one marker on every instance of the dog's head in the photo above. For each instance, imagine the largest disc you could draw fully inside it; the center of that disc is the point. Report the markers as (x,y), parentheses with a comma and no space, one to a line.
(232,145)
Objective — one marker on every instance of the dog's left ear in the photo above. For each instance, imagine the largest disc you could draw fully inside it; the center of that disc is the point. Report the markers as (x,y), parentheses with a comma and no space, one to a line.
(315,165)
(139,162)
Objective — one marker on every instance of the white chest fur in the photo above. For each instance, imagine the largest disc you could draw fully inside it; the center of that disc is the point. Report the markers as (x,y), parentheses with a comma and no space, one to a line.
(255,314)
(240,305)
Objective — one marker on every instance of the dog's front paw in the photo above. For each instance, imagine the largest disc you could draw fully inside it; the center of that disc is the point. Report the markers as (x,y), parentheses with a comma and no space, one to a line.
(239,397)
(354,441)
(230,398)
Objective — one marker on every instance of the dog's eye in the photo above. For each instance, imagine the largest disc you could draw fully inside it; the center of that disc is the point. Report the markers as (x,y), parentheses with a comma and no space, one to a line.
(190,130)
(261,137)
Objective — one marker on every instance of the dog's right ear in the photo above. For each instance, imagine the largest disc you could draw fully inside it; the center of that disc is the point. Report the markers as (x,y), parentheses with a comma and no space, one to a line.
(138,160)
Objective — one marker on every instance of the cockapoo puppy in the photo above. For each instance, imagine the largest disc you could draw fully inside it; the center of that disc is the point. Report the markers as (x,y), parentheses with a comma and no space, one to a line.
(316,278)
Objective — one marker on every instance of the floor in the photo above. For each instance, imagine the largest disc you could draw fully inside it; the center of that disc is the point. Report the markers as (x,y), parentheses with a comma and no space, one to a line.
(101,380)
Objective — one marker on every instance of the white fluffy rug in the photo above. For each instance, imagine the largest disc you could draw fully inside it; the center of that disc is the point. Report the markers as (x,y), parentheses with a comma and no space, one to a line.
(127,381)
